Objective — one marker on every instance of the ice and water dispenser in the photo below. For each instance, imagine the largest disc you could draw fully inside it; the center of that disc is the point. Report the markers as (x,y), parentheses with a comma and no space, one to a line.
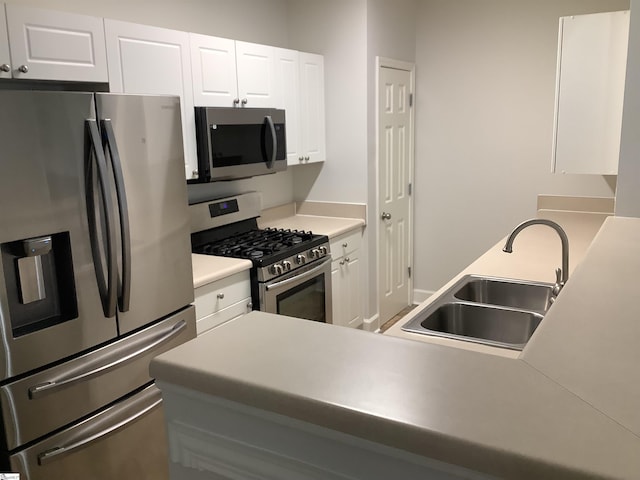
(38,274)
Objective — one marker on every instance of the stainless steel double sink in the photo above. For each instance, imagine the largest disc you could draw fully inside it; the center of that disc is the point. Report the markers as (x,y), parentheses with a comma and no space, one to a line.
(494,311)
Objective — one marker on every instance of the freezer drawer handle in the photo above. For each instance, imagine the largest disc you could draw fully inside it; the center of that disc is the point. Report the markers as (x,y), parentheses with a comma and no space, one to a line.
(51,454)
(47,387)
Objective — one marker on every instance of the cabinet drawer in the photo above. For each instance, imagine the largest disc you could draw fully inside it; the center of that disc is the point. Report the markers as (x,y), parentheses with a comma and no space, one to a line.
(215,296)
(208,322)
(346,244)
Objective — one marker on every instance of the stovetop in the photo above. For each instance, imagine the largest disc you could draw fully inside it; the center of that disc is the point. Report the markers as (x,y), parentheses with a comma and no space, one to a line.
(263,246)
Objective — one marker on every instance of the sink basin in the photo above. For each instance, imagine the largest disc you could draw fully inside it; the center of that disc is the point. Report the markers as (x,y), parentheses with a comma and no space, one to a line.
(499,312)
(508,293)
(502,327)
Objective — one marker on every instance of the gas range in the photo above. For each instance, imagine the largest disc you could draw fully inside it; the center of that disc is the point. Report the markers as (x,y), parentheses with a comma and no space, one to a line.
(273,252)
(291,271)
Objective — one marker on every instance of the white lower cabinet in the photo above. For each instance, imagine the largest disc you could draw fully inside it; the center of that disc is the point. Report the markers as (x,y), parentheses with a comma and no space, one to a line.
(346,284)
(222,300)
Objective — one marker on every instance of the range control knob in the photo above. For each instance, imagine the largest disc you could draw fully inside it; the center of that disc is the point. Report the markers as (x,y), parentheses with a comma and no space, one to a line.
(315,253)
(301,259)
(286,265)
(323,250)
(276,269)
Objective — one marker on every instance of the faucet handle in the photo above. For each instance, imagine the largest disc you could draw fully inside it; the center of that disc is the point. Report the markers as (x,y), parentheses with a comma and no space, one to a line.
(558,286)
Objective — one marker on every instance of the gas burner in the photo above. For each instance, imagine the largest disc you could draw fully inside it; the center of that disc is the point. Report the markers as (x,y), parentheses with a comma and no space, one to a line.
(256,254)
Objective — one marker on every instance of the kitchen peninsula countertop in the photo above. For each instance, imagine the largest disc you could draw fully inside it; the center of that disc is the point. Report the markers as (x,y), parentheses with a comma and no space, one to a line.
(566,408)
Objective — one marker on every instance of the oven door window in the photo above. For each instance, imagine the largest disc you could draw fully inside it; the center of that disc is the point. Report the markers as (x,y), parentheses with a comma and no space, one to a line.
(306,300)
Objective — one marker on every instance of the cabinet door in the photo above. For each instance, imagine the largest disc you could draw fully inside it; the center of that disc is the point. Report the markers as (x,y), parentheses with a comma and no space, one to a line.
(213,63)
(50,45)
(152,60)
(312,106)
(592,56)
(353,292)
(288,85)
(5,59)
(337,296)
(256,75)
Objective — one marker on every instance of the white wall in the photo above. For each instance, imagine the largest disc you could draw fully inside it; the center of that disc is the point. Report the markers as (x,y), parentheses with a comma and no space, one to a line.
(628,193)
(484,116)
(337,30)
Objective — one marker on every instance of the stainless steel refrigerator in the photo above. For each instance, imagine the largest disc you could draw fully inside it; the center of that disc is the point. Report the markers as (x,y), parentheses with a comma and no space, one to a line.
(95,280)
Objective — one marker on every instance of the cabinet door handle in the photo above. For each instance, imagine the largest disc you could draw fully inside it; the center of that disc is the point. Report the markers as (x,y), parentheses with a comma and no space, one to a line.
(345,245)
(23,69)
(386,216)
(220,295)
(306,159)
(7,68)
(244,102)
(236,101)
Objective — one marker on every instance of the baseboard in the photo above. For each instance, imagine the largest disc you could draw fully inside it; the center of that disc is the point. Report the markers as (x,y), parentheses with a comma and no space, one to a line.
(420,296)
(371,324)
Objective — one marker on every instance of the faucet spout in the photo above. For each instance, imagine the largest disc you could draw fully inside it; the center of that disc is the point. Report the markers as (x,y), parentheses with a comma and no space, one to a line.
(508,246)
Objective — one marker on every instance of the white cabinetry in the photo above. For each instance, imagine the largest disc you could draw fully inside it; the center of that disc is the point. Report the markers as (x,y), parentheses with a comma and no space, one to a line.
(222,300)
(153,60)
(346,284)
(592,56)
(5,57)
(228,73)
(300,81)
(50,45)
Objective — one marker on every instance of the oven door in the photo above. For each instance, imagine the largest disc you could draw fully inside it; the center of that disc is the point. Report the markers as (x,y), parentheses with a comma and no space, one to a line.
(304,293)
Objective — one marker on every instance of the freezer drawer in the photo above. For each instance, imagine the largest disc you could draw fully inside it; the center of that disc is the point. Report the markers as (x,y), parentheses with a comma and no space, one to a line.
(127,441)
(38,404)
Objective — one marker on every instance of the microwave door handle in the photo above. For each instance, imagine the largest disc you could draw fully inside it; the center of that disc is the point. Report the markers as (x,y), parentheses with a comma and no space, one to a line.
(274,142)
(109,141)
(298,278)
(106,288)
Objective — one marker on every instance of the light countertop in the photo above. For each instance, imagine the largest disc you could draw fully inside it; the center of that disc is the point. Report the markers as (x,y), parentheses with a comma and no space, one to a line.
(566,408)
(536,255)
(210,268)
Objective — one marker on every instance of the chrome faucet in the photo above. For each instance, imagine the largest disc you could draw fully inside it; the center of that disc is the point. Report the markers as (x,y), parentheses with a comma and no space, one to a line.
(562,274)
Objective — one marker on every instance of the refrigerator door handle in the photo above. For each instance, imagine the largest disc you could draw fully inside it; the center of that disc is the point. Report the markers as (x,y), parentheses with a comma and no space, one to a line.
(109,141)
(106,288)
(111,361)
(113,423)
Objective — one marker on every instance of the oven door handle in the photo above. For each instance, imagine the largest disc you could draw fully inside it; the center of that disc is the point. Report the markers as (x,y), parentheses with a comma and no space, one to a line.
(298,278)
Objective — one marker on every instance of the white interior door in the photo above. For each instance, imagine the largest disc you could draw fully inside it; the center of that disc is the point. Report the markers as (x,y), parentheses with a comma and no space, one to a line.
(395,135)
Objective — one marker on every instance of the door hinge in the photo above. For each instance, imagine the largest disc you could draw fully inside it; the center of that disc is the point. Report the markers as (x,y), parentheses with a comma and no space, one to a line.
(411,99)
(410,188)
(409,269)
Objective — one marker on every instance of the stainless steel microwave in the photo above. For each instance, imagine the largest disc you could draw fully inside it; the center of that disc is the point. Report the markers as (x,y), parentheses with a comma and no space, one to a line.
(236,143)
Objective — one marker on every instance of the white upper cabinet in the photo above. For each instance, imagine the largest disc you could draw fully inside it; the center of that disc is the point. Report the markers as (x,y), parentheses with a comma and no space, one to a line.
(153,60)
(288,92)
(256,69)
(50,45)
(300,81)
(5,57)
(312,107)
(592,58)
(229,73)
(213,63)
